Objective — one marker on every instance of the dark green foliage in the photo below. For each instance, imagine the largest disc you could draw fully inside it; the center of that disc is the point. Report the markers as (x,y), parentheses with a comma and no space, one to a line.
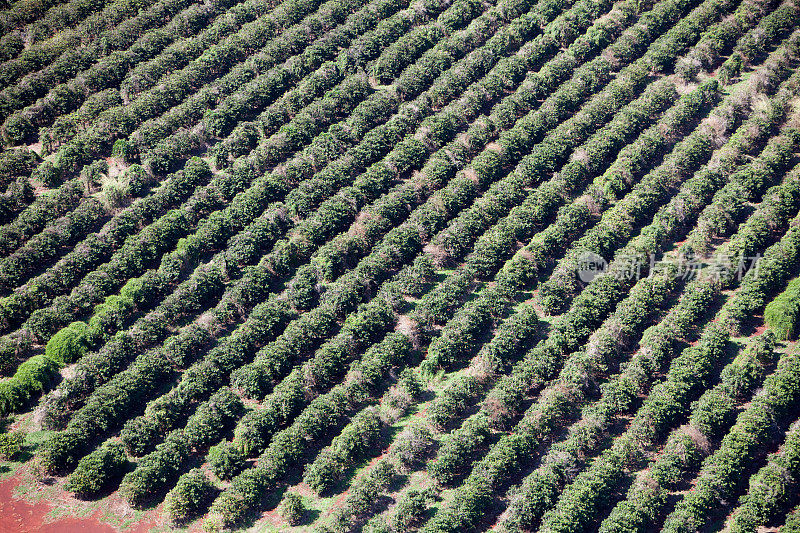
(356,440)
(291,509)
(97,470)
(782,314)
(410,510)
(332,206)
(11,444)
(413,279)
(189,497)
(225,460)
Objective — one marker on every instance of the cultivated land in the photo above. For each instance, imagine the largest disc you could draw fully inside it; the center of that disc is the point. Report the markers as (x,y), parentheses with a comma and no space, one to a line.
(399,265)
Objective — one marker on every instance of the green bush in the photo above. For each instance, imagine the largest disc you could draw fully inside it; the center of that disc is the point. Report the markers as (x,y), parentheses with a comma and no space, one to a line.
(291,509)
(69,344)
(377,524)
(46,173)
(792,524)
(138,180)
(410,510)
(32,376)
(123,149)
(413,279)
(10,348)
(10,444)
(301,291)
(187,499)
(61,451)
(781,314)
(96,470)
(225,460)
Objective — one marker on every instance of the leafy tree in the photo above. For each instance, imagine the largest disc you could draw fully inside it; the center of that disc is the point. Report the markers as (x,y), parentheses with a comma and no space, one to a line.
(189,496)
(225,460)
(95,471)
(10,444)
(783,313)
(69,344)
(410,510)
(291,509)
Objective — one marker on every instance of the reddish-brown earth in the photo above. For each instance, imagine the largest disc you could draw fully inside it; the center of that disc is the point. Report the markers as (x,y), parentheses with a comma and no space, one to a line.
(20,516)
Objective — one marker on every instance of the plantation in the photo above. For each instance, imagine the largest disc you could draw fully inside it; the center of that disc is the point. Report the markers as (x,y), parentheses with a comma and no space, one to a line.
(403,265)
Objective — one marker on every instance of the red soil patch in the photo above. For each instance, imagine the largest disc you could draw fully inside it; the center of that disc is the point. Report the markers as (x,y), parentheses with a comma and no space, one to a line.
(20,516)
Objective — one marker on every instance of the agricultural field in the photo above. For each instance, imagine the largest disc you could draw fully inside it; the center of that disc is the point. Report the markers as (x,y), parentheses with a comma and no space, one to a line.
(400,265)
